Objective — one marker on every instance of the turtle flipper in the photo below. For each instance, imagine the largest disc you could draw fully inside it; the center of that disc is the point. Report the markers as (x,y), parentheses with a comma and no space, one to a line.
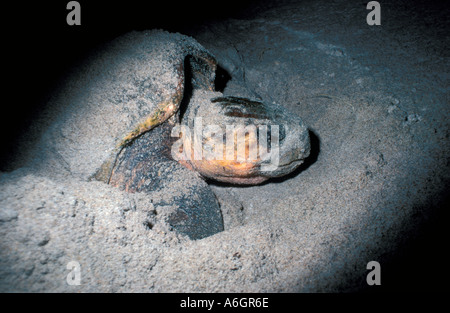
(164,110)
(146,166)
(201,66)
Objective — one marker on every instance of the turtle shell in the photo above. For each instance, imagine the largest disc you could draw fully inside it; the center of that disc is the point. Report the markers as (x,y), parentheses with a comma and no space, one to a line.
(126,88)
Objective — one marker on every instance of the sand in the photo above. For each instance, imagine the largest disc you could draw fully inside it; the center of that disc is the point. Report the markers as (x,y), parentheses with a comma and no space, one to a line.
(376,103)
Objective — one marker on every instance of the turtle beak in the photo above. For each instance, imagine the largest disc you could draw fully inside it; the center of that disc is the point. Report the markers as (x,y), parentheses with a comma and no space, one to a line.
(288,152)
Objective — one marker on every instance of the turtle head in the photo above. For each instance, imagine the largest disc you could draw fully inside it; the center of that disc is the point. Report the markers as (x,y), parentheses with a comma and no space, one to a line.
(240,141)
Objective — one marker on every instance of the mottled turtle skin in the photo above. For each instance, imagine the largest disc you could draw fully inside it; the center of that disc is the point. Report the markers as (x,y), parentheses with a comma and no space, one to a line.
(133,88)
(215,109)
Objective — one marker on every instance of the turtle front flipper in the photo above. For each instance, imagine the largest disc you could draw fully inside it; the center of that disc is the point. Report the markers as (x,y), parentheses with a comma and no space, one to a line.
(200,66)
(190,206)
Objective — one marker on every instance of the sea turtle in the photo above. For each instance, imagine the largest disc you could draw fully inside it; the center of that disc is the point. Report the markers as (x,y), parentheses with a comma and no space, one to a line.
(113,120)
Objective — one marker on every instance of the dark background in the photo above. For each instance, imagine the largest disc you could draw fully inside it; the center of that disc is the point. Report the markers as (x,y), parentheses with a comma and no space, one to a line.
(39,47)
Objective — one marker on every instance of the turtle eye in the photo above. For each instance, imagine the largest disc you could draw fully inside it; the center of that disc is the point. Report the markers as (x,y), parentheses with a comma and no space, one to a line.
(242,107)
(237,111)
